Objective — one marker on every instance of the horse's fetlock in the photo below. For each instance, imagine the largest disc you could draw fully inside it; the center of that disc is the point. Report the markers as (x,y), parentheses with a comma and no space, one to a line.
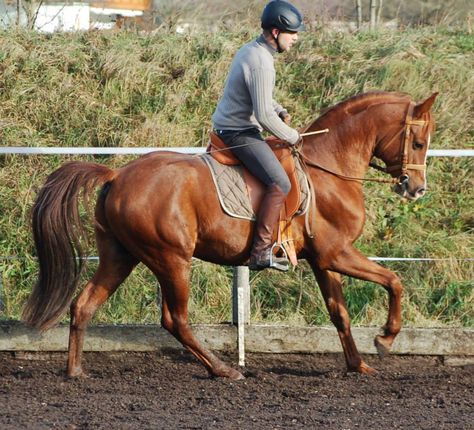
(391,329)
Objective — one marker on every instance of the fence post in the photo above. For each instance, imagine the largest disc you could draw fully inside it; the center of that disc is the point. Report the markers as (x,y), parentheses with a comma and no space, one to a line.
(2,304)
(241,306)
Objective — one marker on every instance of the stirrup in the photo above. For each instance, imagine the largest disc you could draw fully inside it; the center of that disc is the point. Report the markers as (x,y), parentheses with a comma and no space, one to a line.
(279,263)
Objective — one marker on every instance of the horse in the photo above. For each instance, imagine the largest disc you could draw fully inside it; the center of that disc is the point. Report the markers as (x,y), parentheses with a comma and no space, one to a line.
(162,210)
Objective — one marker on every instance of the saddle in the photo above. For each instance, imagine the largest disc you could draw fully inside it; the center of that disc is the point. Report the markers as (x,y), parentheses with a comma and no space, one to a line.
(255,189)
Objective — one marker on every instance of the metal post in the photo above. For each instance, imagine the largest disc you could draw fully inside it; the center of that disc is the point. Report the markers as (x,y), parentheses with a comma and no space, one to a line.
(241,306)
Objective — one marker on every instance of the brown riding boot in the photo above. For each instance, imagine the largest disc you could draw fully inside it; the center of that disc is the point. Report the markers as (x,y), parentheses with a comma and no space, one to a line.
(268,216)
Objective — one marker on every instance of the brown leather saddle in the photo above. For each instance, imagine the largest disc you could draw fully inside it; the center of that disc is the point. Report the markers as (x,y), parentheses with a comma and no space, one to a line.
(255,189)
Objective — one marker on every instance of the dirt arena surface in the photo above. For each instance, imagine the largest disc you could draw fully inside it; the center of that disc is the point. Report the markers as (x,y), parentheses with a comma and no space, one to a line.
(171,391)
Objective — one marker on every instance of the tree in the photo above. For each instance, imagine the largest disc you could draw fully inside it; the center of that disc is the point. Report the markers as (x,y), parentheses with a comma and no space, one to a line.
(375,9)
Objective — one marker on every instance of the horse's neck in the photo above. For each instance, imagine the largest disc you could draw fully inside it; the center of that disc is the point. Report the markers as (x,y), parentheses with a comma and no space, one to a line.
(355,131)
(348,146)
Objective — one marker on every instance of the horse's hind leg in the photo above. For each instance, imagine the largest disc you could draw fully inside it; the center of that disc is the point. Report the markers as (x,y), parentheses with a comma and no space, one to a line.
(114,266)
(173,276)
(331,288)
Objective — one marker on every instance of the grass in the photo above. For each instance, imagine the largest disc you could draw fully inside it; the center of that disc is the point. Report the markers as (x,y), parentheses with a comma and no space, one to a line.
(127,89)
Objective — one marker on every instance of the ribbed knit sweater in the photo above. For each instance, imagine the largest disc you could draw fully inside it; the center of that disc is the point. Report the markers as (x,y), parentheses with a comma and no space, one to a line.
(248,94)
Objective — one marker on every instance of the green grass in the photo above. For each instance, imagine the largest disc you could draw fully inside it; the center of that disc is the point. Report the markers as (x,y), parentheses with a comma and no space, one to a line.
(124,89)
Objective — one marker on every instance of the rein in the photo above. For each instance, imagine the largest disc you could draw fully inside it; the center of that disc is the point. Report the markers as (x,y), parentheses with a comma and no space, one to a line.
(404,166)
(306,161)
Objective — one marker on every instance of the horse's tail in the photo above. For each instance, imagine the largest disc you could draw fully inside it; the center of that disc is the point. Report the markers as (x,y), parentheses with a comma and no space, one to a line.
(57,232)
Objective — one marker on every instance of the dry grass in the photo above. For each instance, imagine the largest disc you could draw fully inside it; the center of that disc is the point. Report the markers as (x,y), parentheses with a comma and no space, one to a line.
(124,89)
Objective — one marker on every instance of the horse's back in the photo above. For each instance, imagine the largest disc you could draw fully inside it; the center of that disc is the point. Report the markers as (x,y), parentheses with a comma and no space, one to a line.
(161,199)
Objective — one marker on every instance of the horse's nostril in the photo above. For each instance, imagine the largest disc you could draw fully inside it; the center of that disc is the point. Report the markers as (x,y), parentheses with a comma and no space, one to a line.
(404,179)
(421,191)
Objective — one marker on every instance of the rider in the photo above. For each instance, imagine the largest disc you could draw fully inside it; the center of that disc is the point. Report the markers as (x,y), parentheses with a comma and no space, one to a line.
(247,107)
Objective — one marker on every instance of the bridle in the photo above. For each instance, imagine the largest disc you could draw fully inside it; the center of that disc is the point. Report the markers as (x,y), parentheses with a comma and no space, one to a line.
(403,165)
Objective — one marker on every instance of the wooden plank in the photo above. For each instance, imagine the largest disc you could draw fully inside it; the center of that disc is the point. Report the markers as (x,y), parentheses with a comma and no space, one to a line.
(223,337)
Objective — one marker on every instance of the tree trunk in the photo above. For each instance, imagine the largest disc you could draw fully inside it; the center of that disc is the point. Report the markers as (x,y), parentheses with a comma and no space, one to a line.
(373,14)
(359,13)
(18,9)
(379,13)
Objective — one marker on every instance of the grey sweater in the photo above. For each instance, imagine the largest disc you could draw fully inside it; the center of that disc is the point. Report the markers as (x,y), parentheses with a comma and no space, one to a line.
(248,94)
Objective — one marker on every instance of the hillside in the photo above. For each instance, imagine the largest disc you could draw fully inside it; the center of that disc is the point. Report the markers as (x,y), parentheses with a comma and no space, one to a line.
(125,89)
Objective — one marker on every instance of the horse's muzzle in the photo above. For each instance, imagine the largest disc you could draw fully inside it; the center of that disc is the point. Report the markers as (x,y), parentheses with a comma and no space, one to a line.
(404,190)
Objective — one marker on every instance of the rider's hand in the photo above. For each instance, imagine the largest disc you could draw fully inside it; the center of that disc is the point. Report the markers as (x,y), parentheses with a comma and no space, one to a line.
(300,139)
(285,117)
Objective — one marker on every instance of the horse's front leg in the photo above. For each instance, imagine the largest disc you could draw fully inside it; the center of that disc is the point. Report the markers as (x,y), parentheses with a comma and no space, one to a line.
(173,273)
(331,288)
(352,263)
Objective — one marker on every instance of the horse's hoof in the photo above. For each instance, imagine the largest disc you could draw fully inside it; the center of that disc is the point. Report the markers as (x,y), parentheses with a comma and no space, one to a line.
(235,375)
(383,346)
(76,374)
(362,368)
(365,369)
(230,373)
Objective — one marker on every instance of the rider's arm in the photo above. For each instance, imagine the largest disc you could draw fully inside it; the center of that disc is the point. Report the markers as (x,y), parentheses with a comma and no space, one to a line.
(279,109)
(260,84)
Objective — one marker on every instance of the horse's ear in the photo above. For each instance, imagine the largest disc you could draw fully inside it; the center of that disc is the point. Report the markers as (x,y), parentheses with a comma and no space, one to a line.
(425,106)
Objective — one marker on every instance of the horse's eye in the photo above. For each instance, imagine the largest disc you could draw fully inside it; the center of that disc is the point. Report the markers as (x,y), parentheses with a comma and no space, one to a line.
(417,145)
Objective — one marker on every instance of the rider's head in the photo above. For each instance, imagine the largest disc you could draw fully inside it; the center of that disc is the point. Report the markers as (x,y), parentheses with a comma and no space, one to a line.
(281,21)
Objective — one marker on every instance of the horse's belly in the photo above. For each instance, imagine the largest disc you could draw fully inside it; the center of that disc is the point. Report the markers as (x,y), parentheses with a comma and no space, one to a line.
(225,241)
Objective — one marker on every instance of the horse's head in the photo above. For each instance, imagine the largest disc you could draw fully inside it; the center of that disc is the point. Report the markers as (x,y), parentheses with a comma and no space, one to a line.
(405,152)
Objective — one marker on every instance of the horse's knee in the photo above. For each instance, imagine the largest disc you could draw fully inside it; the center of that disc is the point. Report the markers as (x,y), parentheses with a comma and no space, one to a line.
(394,286)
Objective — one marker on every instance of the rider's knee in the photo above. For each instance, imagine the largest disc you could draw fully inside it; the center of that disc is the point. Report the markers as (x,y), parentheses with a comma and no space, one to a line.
(285,185)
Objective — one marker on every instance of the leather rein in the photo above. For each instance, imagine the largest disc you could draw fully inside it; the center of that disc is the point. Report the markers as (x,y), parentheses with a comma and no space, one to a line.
(404,166)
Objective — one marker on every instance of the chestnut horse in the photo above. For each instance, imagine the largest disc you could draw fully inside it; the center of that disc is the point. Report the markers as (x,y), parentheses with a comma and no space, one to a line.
(162,210)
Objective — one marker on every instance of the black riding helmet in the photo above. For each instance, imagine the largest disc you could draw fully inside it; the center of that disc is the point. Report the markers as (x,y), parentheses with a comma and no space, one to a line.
(282,15)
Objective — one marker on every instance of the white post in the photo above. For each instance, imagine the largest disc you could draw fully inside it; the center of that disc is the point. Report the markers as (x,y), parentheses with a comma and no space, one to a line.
(359,14)
(241,306)
(2,304)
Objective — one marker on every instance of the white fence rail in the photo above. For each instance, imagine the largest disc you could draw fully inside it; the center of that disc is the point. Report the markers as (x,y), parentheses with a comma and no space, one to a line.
(185,150)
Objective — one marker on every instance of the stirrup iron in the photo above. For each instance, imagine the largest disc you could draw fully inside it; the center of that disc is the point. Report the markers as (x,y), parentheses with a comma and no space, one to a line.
(284,263)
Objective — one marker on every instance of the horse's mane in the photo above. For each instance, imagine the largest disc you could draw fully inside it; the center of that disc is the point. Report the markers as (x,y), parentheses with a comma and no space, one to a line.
(361,102)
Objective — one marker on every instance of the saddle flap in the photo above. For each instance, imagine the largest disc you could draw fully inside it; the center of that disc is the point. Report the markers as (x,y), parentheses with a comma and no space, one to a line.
(255,189)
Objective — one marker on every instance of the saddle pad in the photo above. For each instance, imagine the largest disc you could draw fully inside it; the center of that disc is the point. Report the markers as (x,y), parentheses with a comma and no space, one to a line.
(232,191)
